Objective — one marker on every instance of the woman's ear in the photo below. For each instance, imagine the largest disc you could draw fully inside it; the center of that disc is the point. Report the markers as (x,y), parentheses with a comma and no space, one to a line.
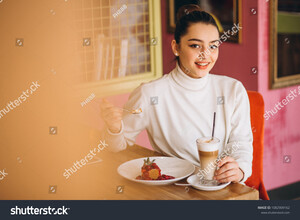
(175,48)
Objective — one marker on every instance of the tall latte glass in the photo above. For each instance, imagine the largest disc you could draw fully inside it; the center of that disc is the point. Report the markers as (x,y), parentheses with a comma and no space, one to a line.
(208,149)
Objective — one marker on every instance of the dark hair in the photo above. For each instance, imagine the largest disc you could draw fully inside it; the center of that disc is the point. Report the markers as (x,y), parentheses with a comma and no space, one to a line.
(190,14)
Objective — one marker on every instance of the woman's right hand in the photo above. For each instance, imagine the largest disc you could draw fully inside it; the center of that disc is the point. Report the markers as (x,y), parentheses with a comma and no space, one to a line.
(112,116)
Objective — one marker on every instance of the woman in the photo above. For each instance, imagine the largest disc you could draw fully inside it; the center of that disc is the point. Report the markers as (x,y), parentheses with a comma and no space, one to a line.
(178,108)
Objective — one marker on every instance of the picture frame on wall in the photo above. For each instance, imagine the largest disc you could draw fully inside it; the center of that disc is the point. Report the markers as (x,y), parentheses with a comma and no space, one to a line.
(227,13)
(284,43)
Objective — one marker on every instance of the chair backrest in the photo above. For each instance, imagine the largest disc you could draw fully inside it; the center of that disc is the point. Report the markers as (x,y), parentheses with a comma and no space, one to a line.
(257,122)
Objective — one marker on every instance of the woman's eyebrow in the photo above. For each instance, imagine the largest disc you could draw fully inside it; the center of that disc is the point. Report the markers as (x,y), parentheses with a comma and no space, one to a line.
(194,39)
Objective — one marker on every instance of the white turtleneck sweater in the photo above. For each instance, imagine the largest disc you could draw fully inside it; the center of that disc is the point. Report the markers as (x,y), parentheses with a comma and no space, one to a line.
(178,109)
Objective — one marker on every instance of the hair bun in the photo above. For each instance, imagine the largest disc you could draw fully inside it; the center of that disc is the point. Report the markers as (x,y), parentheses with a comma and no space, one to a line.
(186,9)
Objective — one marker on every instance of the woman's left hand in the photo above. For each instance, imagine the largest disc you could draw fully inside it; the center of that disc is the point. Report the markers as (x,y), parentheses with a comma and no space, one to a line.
(229,171)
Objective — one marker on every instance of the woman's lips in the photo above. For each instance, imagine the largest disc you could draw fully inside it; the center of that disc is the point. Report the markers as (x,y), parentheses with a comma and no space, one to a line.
(202,65)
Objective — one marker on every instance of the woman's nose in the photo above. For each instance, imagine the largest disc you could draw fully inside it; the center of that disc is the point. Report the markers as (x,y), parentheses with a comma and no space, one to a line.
(203,52)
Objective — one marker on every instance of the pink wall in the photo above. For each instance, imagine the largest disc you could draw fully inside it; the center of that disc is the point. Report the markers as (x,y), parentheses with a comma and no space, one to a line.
(282,135)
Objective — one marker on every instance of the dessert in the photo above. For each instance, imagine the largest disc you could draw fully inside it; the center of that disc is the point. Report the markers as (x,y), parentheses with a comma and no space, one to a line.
(150,171)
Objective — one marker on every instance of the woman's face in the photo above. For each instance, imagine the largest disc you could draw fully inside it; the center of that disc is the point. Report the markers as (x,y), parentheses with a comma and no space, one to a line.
(198,49)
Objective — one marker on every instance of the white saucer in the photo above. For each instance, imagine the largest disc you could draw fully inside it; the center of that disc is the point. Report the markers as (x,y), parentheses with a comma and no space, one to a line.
(194,180)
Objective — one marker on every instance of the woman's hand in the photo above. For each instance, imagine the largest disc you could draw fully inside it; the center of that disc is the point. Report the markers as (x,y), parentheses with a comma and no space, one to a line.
(229,171)
(112,116)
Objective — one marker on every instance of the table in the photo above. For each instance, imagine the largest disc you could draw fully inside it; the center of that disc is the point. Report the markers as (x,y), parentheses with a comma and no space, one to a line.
(127,190)
(100,181)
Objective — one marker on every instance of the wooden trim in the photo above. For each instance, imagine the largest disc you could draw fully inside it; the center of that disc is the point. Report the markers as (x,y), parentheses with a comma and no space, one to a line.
(171,17)
(273,46)
(240,13)
(111,89)
(274,81)
(157,33)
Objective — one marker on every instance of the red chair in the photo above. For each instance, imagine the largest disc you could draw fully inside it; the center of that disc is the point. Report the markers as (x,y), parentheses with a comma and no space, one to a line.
(257,122)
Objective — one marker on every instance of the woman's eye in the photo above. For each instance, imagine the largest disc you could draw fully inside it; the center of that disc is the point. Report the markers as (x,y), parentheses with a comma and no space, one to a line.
(213,47)
(195,46)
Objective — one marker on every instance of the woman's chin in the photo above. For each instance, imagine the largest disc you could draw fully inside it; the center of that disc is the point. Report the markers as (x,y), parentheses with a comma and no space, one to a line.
(196,73)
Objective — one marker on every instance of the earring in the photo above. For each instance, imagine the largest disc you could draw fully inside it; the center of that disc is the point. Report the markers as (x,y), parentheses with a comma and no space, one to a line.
(176,54)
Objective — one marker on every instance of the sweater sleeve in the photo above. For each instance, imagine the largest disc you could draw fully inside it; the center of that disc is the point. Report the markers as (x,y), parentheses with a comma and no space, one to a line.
(132,124)
(240,140)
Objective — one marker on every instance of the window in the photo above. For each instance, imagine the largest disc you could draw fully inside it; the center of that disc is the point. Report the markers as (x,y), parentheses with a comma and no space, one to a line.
(121,44)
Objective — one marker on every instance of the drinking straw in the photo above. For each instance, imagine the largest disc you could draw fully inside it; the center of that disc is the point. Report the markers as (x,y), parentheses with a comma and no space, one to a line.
(213,130)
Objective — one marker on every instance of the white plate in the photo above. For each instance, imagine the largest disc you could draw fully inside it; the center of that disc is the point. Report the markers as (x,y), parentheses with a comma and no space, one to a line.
(171,166)
(194,181)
